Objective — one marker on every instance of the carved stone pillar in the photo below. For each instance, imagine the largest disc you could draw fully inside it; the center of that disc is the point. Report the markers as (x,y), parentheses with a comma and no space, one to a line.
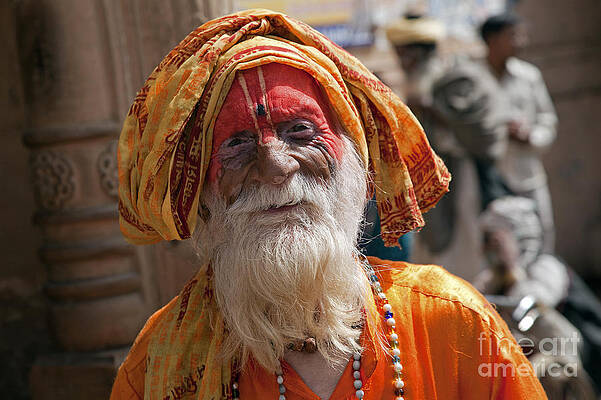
(82,61)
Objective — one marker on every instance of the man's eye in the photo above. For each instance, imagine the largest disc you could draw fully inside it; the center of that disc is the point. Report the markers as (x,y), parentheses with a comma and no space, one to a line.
(235,142)
(298,128)
(298,132)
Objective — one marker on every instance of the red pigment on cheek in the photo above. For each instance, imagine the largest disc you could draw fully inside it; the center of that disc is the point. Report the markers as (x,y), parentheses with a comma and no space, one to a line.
(212,171)
(234,117)
(333,143)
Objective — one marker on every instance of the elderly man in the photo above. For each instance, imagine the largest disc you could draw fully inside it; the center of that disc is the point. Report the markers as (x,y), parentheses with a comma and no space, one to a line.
(255,136)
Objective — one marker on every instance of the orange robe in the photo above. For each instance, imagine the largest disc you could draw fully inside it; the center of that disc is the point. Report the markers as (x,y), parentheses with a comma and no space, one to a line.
(453,345)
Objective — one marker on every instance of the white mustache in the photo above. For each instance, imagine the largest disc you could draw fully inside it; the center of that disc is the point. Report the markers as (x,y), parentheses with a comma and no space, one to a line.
(300,190)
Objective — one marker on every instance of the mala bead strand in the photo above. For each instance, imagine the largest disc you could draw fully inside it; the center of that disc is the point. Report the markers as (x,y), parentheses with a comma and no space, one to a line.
(235,391)
(280,381)
(399,384)
(358,383)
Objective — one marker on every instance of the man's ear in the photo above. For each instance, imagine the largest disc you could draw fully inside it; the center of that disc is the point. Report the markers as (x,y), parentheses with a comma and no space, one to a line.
(204,213)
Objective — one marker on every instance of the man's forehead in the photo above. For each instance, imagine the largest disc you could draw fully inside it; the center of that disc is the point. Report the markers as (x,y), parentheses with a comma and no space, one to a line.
(265,78)
(266,95)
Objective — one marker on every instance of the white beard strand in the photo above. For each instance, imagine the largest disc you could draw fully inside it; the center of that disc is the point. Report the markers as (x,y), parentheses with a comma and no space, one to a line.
(280,278)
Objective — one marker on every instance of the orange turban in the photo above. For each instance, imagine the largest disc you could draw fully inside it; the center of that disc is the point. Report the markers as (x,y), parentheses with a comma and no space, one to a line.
(165,145)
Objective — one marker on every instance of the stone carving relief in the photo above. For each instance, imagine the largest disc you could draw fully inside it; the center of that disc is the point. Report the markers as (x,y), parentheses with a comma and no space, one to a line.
(107,168)
(52,180)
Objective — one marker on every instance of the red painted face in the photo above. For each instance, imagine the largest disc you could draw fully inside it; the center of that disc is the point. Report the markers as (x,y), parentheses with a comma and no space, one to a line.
(272,124)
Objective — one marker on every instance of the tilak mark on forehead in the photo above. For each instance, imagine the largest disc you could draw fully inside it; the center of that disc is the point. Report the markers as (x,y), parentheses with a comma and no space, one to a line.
(265,128)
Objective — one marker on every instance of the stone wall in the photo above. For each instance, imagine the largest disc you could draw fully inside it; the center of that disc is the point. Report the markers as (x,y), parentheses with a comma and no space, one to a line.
(565,42)
(24,332)
(73,294)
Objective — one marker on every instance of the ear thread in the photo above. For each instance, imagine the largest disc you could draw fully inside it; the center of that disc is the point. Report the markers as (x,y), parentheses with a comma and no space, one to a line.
(204,213)
(371,186)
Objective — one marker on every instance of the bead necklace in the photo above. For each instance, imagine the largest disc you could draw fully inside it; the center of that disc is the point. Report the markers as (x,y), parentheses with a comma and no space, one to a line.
(393,338)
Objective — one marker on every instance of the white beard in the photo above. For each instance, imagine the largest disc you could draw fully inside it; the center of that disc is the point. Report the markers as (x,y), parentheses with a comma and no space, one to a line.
(281,277)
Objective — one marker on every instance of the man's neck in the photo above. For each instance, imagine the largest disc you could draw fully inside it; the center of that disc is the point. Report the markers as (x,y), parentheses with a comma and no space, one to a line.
(317,373)
(497,63)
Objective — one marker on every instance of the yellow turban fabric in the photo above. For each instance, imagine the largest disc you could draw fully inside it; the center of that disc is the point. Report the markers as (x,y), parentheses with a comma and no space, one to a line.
(415,30)
(163,158)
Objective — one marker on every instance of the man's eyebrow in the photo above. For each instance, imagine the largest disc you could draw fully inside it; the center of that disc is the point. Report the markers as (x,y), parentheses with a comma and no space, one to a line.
(300,106)
(244,132)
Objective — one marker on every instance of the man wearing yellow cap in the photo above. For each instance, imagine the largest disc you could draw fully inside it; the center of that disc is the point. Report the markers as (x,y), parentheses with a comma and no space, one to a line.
(261,140)
(451,236)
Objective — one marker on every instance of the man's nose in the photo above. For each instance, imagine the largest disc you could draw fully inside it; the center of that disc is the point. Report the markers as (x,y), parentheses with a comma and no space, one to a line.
(274,166)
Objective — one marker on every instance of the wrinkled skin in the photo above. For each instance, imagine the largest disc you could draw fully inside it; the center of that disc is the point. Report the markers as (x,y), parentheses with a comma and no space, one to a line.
(274,123)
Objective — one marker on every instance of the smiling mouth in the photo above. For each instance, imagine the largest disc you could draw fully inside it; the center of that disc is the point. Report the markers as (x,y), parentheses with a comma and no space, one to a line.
(283,208)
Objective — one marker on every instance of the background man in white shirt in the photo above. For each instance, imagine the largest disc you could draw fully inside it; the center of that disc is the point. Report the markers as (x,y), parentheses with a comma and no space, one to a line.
(532,128)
